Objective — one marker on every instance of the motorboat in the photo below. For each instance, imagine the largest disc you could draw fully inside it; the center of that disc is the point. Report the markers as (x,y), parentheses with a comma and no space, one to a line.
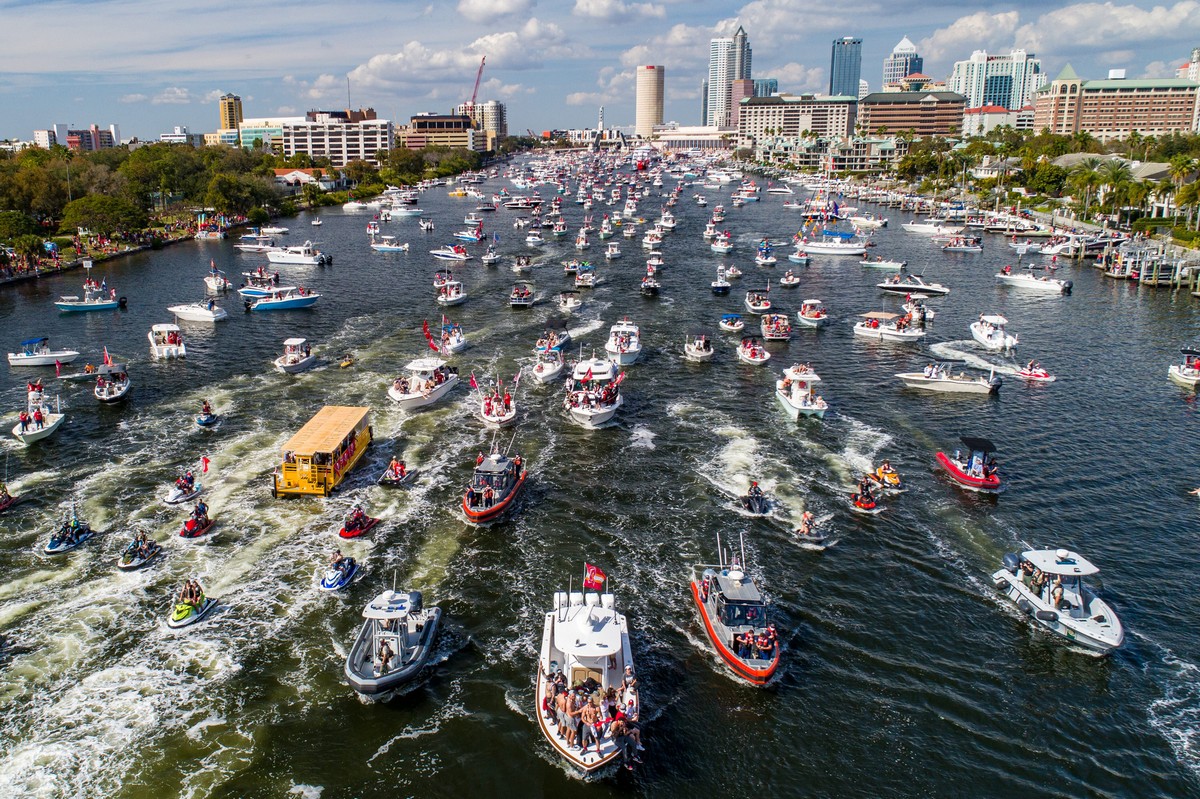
(757,301)
(1034,373)
(710,231)
(261,284)
(569,301)
(491,257)
(388,244)
(498,408)
(732,272)
(256,245)
(977,470)
(357,523)
(732,609)
(452,252)
(284,300)
(474,235)
(612,251)
(587,641)
(316,222)
(73,533)
(1187,374)
(905,283)
(593,393)
(989,331)
(393,645)
(698,347)
(166,341)
(835,245)
(112,383)
(812,313)
(796,392)
(273,230)
(720,286)
(765,256)
(1047,584)
(721,246)
(940,377)
(731,323)
(305,254)
(338,574)
(868,221)
(37,352)
(650,286)
(751,351)
(932,228)
(453,340)
(789,280)
(879,262)
(624,344)
(297,356)
(521,296)
(216,282)
(885,326)
(573,266)
(205,311)
(96,297)
(775,327)
(428,380)
(1030,282)
(196,528)
(441,277)
(919,313)
(582,242)
(426,224)
(136,555)
(494,487)
(585,278)
(452,293)
(963,244)
(534,239)
(185,614)
(549,365)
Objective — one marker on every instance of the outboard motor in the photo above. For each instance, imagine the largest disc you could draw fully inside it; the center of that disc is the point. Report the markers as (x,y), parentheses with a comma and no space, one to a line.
(1012,562)
(1067,287)
(123,302)
(414,602)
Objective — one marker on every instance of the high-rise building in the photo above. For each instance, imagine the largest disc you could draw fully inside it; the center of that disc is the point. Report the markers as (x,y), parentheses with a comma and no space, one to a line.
(1114,108)
(864,88)
(340,136)
(490,117)
(845,67)
(648,107)
(1007,80)
(728,60)
(1190,70)
(231,111)
(765,87)
(85,140)
(795,116)
(922,113)
(902,62)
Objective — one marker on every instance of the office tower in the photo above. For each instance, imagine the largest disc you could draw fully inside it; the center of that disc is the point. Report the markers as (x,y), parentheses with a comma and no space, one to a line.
(765,87)
(491,116)
(231,111)
(648,107)
(1008,81)
(845,67)
(903,62)
(728,60)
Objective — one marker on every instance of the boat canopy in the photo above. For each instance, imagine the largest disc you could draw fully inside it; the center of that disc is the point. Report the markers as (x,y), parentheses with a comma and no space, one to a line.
(812,302)
(763,290)
(592,631)
(295,342)
(839,234)
(112,369)
(994,319)
(388,606)
(165,328)
(882,316)
(29,342)
(730,317)
(327,430)
(1193,351)
(1060,561)
(977,444)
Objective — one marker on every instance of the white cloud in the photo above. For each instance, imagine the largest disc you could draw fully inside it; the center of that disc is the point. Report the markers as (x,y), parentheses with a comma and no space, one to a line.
(1086,26)
(173,95)
(682,47)
(1159,69)
(615,86)
(214,95)
(132,98)
(978,31)
(617,10)
(489,10)
(494,87)
(796,78)
(286,110)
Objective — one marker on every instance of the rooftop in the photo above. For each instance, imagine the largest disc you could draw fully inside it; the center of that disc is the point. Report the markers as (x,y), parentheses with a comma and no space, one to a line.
(326,430)
(879,98)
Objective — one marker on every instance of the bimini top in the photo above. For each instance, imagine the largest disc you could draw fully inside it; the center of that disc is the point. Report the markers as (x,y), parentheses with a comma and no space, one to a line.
(29,342)
(977,444)
(882,316)
(590,632)
(165,328)
(730,317)
(295,342)
(994,319)
(328,428)
(388,605)
(425,365)
(1060,561)
(1193,351)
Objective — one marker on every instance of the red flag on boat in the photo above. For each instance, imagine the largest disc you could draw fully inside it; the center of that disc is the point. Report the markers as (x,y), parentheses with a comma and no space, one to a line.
(204,464)
(594,577)
(57,367)
(474,385)
(516,378)
(429,336)
(107,358)
(588,376)
(620,377)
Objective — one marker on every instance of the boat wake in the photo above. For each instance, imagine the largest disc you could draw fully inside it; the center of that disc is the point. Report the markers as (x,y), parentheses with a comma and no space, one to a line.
(1176,714)
(972,355)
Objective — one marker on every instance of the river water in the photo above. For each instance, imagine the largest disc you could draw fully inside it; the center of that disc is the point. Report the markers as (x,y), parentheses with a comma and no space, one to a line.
(904,674)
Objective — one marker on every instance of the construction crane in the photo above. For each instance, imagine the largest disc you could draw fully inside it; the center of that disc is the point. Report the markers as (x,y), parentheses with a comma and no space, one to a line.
(478,75)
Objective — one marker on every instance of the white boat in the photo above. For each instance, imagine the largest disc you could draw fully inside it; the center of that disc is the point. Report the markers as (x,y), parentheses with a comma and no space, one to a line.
(495,411)
(918,311)
(584,638)
(354,205)
(751,351)
(796,394)
(1187,374)
(166,341)
(721,246)
(585,279)
(581,241)
(451,293)
(989,331)
(273,231)
(305,254)
(731,323)
(569,301)
(775,327)
(757,301)
(453,339)
(698,347)
(316,222)
(388,244)
(720,286)
(1030,282)
(453,252)
(297,356)
(207,311)
(881,263)
(789,280)
(549,365)
(428,380)
(940,377)
(37,352)
(884,326)
(521,296)
(216,282)
(868,221)
(908,284)
(624,344)
(535,239)
(962,244)
(112,383)
(812,314)
(398,627)
(931,228)
(1048,585)
(284,300)
(800,256)
(593,392)
(612,251)
(31,429)
(491,256)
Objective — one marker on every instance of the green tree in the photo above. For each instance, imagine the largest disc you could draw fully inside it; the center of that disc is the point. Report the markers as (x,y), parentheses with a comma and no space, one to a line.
(29,249)
(14,224)
(103,215)
(1085,177)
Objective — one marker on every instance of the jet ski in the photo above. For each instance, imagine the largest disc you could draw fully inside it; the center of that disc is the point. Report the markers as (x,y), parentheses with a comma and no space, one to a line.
(132,559)
(186,614)
(888,482)
(338,577)
(818,539)
(388,480)
(354,528)
(207,419)
(192,528)
(8,502)
(68,537)
(865,503)
(757,504)
(177,495)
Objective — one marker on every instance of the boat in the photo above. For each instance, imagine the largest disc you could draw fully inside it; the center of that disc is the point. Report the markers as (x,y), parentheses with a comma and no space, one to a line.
(593,393)
(297,356)
(388,244)
(194,528)
(357,523)
(905,283)
(498,408)
(721,246)
(70,535)
(932,228)
(37,421)
(1031,282)
(795,392)
(612,251)
(166,341)
(494,487)
(426,224)
(451,293)
(835,245)
(585,278)
(393,645)
(207,419)
(585,640)
(273,230)
(521,296)
(775,327)
(549,365)
(963,244)
(428,380)
(305,254)
(112,383)
(880,263)
(284,300)
(731,608)
(919,313)
(990,333)
(650,286)
(731,323)
(137,555)
(789,280)
(206,311)
(452,252)
(534,239)
(624,344)
(698,347)
(96,297)
(569,301)
(491,257)
(884,326)
(1034,373)
(868,221)
(977,471)
(581,241)
(1047,584)
(720,286)
(37,352)
(757,301)
(186,614)
(323,452)
(1186,374)
(940,377)
(216,281)
(732,272)
(316,222)
(765,256)
(800,256)
(751,351)
(522,264)
(812,314)
(261,284)
(10,500)
(338,574)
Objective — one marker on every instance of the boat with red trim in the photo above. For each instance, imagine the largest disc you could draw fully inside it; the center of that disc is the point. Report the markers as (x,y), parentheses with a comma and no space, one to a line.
(497,481)
(977,471)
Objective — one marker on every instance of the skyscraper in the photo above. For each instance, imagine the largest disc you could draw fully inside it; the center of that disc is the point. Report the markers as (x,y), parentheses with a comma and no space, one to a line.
(1008,81)
(903,62)
(845,67)
(728,60)
(648,108)
(765,87)
(231,111)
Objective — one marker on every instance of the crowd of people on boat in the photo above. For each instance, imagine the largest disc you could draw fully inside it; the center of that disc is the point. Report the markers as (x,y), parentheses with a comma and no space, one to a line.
(1040,584)
(550,340)
(585,714)
(497,405)
(592,398)
(405,385)
(757,645)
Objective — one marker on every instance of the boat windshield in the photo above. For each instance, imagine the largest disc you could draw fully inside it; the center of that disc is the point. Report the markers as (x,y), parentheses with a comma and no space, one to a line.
(742,614)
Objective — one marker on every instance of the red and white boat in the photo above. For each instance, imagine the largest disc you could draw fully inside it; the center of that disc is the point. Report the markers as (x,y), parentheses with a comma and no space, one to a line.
(977,470)
(1034,373)
(356,524)
(497,481)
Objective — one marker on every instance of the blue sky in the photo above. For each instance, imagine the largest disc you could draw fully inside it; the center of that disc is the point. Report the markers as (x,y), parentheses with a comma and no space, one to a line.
(148,66)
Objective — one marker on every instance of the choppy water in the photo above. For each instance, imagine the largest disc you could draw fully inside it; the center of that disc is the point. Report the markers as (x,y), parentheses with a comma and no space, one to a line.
(904,676)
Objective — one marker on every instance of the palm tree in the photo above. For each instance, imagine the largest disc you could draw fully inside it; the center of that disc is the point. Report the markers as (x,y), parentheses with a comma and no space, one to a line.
(1187,197)
(1116,177)
(1136,194)
(1085,176)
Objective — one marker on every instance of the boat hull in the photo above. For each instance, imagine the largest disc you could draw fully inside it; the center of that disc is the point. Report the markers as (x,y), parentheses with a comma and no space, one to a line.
(290,304)
(408,402)
(918,380)
(481,515)
(198,313)
(363,679)
(43,359)
(758,677)
(299,366)
(53,422)
(84,307)
(1177,375)
(989,485)
(1061,623)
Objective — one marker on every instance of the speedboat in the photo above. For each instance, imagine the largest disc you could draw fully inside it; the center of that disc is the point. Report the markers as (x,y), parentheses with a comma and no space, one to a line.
(698,347)
(800,256)
(722,246)
(216,282)
(581,241)
(906,284)
(186,614)
(593,392)
(789,280)
(731,323)
(273,230)
(428,380)
(394,643)
(612,252)
(932,228)
(775,327)
(939,377)
(180,493)
(338,575)
(868,221)
(812,314)
(720,286)
(1030,282)
(297,356)
(549,365)
(521,296)
(534,239)
(207,311)
(96,297)
(388,244)
(37,352)
(357,523)
(880,263)
(305,254)
(884,326)
(496,483)
(751,351)
(990,333)
(135,556)
(284,300)
(569,301)
(453,252)
(451,293)
(194,528)
(963,244)
(73,533)
(1048,585)
(731,608)
(795,392)
(975,472)
(587,640)
(112,383)
(624,343)
(757,301)
(1034,373)
(491,257)
(1187,374)
(497,409)
(650,286)
(166,341)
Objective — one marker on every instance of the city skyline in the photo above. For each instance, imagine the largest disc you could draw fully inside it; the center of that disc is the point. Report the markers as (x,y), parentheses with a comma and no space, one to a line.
(552,65)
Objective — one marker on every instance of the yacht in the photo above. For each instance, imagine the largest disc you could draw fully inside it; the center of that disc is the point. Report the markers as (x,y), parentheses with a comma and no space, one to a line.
(593,392)
(624,344)
(305,254)
(836,245)
(393,645)
(428,380)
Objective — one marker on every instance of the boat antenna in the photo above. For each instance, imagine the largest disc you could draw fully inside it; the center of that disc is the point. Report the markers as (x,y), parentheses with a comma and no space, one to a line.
(511,441)
(742,546)
(720,557)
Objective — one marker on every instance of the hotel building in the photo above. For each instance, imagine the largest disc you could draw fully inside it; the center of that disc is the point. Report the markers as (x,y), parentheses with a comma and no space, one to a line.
(923,113)
(1114,108)
(340,136)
